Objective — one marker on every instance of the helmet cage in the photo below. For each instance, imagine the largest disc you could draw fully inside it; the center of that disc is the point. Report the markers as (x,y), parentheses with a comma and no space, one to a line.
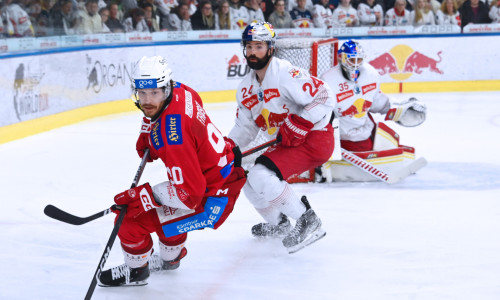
(351,57)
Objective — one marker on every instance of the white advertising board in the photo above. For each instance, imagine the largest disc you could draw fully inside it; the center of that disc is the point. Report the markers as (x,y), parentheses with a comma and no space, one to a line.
(40,85)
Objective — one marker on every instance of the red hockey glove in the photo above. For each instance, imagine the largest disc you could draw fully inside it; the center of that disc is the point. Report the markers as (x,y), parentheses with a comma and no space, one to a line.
(143,142)
(294,130)
(138,199)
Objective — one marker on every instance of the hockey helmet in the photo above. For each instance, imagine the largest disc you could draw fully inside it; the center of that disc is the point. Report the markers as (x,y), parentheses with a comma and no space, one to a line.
(262,32)
(152,72)
(351,56)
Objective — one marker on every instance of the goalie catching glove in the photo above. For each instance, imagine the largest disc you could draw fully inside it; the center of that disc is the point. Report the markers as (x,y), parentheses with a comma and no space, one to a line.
(410,113)
(138,200)
(294,130)
(143,140)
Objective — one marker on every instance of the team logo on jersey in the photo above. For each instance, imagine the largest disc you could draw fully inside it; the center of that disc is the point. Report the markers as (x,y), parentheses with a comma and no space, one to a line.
(155,135)
(295,73)
(358,109)
(342,96)
(270,94)
(369,87)
(174,129)
(250,102)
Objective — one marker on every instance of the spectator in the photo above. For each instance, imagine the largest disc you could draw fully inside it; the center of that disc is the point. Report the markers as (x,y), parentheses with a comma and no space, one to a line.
(388,4)
(135,22)
(38,11)
(224,15)
(88,21)
(164,7)
(422,14)
(448,13)
(281,18)
(150,17)
(322,14)
(62,18)
(345,15)
(302,17)
(179,19)
(398,15)
(17,20)
(291,4)
(495,11)
(239,15)
(474,12)
(114,23)
(104,13)
(254,12)
(267,7)
(204,18)
(1,26)
(370,13)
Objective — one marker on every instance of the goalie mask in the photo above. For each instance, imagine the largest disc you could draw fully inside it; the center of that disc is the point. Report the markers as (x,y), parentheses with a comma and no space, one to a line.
(351,56)
(152,72)
(259,32)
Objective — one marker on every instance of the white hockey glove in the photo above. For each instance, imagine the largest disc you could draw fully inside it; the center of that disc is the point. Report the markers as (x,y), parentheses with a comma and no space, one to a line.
(410,113)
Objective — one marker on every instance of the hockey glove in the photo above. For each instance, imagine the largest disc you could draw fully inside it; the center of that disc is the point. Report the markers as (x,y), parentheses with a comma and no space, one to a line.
(410,113)
(294,130)
(138,200)
(143,142)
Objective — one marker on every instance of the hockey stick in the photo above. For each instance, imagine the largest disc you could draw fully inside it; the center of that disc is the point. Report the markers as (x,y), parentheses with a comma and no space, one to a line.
(58,214)
(367,167)
(114,233)
(262,146)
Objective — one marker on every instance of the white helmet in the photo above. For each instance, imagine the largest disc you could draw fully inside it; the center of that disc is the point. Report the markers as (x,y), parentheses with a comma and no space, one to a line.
(152,72)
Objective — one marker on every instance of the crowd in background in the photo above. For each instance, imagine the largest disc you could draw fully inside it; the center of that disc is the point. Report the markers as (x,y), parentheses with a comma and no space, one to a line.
(24,18)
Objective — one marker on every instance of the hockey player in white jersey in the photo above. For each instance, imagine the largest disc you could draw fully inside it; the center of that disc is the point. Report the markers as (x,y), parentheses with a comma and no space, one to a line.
(356,86)
(282,101)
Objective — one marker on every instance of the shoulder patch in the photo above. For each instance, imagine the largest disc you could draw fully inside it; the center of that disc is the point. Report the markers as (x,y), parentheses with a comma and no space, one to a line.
(295,73)
(368,88)
(177,84)
(173,129)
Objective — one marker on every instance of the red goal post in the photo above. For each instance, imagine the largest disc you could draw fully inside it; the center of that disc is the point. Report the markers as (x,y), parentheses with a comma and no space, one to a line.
(317,55)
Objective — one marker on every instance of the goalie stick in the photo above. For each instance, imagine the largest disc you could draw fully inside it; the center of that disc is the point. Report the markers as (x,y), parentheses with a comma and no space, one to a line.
(394,177)
(60,215)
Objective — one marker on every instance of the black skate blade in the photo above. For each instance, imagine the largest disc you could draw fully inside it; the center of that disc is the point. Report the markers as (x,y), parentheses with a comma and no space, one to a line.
(315,236)
(135,283)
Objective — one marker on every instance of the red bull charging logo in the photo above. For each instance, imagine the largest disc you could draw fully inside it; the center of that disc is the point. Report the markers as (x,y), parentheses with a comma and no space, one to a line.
(401,62)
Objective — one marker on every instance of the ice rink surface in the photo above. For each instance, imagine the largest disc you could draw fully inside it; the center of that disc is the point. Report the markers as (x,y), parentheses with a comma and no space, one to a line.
(434,235)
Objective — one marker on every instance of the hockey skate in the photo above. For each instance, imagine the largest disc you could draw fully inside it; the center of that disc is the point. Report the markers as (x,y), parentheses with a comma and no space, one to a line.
(307,230)
(266,230)
(158,264)
(124,276)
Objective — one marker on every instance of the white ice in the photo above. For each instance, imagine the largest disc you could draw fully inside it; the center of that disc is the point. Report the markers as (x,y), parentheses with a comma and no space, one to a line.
(435,235)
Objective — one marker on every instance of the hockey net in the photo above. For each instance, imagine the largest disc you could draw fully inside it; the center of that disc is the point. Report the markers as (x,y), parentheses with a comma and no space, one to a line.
(313,54)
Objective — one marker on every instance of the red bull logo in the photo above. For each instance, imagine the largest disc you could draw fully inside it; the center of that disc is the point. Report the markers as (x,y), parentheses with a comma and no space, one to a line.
(270,121)
(295,73)
(401,62)
(358,109)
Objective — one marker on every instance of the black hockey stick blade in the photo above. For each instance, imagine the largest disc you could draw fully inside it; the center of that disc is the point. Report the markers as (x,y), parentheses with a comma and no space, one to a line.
(60,215)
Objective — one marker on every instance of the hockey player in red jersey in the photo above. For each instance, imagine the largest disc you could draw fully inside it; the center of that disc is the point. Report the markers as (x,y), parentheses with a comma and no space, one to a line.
(282,100)
(202,166)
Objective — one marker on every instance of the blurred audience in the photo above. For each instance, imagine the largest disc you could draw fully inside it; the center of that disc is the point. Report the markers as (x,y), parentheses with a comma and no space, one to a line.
(398,15)
(87,19)
(179,19)
(322,14)
(422,13)
(345,15)
(301,16)
(370,13)
(280,18)
(448,13)
(114,22)
(204,18)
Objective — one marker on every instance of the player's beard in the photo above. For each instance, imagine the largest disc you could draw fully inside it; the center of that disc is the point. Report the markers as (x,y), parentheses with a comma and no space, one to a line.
(259,64)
